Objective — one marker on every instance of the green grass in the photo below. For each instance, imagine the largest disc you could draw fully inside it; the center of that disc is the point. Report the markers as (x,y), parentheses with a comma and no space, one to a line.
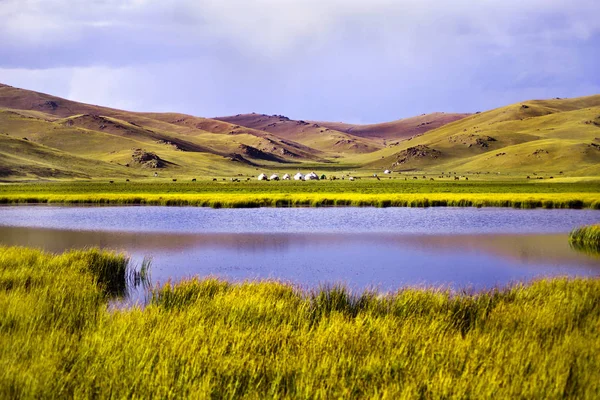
(364,192)
(586,238)
(206,338)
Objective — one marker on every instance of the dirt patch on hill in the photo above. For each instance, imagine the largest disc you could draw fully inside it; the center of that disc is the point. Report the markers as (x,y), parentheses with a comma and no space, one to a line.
(539,152)
(472,140)
(253,152)
(146,159)
(172,145)
(416,153)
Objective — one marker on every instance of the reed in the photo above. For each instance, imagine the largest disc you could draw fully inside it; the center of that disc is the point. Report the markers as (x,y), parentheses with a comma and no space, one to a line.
(363,193)
(207,338)
(586,238)
(220,200)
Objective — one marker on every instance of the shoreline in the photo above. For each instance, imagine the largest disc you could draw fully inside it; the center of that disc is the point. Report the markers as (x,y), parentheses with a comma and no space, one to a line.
(221,200)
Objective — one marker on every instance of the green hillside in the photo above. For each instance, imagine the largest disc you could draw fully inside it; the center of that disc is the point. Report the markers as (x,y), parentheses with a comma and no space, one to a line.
(529,137)
(47,137)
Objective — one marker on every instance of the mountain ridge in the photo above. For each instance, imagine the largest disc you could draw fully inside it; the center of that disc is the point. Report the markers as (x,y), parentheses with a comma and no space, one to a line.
(554,135)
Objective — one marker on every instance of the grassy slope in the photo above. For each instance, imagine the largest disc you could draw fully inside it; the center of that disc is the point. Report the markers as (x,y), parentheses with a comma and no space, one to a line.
(397,130)
(308,133)
(24,159)
(544,137)
(206,338)
(565,129)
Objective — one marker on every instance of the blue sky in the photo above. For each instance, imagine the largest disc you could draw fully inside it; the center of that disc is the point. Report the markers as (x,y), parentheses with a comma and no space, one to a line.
(357,61)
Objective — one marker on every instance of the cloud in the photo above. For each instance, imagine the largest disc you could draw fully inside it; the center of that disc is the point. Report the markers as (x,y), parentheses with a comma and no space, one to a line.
(362,59)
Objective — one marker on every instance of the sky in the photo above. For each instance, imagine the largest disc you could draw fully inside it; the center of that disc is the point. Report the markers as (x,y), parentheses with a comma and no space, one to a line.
(357,61)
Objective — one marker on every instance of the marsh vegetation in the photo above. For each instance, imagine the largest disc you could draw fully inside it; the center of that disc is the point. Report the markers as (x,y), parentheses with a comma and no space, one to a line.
(216,339)
(586,238)
(360,193)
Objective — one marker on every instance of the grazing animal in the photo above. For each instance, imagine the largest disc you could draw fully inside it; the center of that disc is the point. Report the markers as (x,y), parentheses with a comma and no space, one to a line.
(126,180)
(414,177)
(111,181)
(193,179)
(466,178)
(156,174)
(214,179)
(174,180)
(430,179)
(351,178)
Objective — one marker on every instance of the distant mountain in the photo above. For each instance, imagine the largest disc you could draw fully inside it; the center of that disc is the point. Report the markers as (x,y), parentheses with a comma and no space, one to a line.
(397,130)
(308,133)
(47,137)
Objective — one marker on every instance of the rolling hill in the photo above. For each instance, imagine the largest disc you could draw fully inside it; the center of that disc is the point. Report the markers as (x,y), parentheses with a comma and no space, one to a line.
(546,136)
(47,137)
(397,130)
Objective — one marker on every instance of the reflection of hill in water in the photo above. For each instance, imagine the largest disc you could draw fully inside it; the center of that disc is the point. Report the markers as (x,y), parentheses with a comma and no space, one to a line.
(57,240)
(547,249)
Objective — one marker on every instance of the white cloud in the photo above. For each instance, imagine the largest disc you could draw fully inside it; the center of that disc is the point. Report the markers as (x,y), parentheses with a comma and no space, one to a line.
(365,59)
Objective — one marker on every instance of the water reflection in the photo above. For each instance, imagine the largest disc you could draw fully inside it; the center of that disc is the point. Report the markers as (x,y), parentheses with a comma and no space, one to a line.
(374,260)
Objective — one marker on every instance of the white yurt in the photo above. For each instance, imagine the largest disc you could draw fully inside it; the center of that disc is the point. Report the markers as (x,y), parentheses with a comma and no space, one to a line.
(298,177)
(311,177)
(286,177)
(262,177)
(387,171)
(274,177)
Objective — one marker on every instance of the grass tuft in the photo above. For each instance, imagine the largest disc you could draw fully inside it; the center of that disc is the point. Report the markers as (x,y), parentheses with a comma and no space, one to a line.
(586,238)
(211,338)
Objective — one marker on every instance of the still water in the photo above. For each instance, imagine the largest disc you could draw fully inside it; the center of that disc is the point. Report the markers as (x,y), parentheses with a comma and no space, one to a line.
(360,247)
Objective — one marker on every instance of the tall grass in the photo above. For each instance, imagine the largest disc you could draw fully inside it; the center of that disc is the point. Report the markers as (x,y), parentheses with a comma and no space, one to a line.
(220,200)
(586,238)
(207,338)
(364,193)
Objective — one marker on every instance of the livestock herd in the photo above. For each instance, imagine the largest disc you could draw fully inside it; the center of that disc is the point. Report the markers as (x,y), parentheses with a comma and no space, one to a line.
(298,177)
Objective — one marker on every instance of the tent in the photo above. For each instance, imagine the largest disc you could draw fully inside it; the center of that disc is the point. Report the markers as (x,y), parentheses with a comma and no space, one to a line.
(311,177)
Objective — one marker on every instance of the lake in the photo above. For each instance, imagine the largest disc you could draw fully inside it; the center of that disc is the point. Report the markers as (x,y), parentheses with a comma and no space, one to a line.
(382,248)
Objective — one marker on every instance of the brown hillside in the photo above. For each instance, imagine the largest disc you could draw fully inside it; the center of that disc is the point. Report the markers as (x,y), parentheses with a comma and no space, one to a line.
(311,134)
(396,130)
(21,99)
(182,132)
